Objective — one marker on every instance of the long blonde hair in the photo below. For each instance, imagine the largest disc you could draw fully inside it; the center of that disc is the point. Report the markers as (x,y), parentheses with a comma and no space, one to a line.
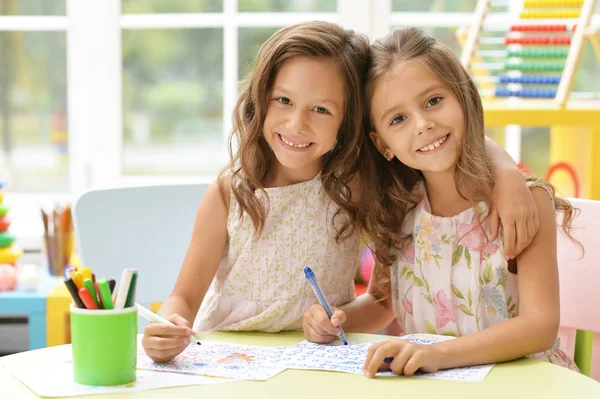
(253,159)
(387,186)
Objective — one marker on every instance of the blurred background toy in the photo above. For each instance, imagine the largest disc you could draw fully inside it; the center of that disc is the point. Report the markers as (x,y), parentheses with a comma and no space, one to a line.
(29,276)
(8,277)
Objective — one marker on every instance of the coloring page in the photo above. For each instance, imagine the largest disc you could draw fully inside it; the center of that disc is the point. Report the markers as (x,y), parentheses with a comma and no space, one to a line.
(217,359)
(350,358)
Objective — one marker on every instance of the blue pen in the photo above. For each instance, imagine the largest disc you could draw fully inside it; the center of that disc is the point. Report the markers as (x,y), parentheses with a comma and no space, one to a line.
(310,276)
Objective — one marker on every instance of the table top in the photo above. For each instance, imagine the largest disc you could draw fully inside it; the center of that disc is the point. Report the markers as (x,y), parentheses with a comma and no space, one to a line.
(524,378)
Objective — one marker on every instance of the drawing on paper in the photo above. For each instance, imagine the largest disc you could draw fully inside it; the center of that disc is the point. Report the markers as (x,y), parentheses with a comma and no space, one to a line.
(217,360)
(350,358)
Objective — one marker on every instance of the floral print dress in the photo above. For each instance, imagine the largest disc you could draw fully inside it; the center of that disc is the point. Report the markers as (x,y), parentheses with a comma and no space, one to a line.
(451,281)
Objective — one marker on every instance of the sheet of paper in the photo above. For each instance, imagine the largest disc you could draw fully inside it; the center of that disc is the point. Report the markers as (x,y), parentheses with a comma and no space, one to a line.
(350,358)
(54,378)
(218,359)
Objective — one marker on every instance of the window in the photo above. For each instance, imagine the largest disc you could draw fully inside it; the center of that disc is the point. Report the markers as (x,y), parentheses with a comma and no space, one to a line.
(434,6)
(120,92)
(33,7)
(170,6)
(287,6)
(33,105)
(181,64)
(173,102)
(127,92)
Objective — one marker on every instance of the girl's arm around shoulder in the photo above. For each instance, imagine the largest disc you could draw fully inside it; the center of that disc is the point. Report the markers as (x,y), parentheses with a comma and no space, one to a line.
(205,250)
(535,328)
(513,203)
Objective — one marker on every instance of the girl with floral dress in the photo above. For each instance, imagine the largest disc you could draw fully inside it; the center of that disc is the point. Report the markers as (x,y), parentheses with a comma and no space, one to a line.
(427,182)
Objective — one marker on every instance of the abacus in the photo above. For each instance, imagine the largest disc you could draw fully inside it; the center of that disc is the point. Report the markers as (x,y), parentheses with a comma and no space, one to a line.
(541,51)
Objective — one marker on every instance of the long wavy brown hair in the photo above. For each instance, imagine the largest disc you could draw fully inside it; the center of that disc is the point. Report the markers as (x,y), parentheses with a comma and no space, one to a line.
(387,186)
(252,160)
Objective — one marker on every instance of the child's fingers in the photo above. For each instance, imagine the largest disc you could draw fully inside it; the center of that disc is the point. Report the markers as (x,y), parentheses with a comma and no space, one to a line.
(167,343)
(162,349)
(372,349)
(161,356)
(338,318)
(313,336)
(166,330)
(413,364)
(532,228)
(315,331)
(399,363)
(387,349)
(509,240)
(179,321)
(320,321)
(535,220)
(523,238)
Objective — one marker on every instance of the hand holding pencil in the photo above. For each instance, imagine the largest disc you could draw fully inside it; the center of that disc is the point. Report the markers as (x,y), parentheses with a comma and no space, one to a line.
(162,341)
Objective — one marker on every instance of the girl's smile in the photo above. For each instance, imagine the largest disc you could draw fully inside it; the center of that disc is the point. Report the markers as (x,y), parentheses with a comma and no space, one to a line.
(293,144)
(434,145)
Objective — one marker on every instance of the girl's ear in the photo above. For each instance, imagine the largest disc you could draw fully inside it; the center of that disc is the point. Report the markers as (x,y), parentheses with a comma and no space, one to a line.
(381,145)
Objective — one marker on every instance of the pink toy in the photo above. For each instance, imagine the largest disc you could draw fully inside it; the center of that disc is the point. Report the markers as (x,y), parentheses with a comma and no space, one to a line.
(366,264)
(8,278)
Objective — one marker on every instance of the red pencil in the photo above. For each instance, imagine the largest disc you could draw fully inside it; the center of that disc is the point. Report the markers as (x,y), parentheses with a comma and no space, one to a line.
(86,298)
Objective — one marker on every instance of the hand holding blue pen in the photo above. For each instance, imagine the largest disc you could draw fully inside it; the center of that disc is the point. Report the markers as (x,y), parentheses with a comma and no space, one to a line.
(310,276)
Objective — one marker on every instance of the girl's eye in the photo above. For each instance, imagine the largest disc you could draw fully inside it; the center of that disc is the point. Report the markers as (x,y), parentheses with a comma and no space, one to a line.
(284,100)
(321,110)
(434,101)
(397,120)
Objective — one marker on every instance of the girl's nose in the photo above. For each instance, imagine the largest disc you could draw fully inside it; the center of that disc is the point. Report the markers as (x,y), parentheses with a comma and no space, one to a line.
(295,122)
(424,124)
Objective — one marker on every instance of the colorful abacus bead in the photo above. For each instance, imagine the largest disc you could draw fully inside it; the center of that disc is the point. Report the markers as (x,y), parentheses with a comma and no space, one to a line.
(530,79)
(535,66)
(538,40)
(538,28)
(529,93)
(552,3)
(551,52)
(562,13)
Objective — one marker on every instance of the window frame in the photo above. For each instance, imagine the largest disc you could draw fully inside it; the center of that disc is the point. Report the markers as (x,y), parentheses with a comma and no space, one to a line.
(94,65)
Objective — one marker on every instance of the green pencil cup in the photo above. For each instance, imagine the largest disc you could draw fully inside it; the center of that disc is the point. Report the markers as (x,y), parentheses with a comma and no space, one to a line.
(104,344)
